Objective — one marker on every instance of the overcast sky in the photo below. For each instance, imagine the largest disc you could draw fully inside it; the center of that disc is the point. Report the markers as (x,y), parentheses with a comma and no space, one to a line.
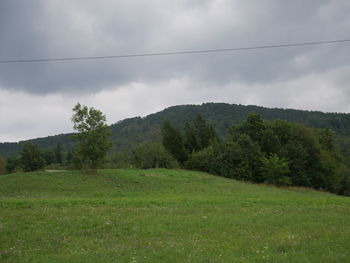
(36,99)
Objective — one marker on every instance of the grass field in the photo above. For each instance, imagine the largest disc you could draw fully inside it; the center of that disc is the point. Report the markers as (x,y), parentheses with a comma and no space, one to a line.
(166,216)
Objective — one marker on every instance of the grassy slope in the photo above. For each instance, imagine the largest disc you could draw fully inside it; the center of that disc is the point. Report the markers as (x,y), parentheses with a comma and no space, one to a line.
(166,216)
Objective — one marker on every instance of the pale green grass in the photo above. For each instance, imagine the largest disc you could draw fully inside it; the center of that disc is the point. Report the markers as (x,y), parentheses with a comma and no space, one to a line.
(166,216)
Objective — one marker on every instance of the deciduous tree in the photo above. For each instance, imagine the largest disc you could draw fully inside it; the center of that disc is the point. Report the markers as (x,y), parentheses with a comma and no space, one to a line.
(275,170)
(32,158)
(92,134)
(12,163)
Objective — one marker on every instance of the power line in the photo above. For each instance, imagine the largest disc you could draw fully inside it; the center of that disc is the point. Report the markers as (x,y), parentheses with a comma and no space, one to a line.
(177,52)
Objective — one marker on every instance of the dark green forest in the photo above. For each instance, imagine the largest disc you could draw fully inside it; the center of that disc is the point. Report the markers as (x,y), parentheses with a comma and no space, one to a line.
(274,152)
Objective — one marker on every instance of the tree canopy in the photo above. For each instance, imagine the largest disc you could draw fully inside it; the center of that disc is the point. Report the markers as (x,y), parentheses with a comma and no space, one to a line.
(32,158)
(276,152)
(92,134)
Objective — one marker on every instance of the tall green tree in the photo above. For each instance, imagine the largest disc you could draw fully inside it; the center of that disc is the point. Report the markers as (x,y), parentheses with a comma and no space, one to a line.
(297,156)
(173,142)
(251,156)
(254,126)
(269,142)
(326,139)
(92,134)
(205,132)
(12,163)
(192,143)
(282,129)
(32,158)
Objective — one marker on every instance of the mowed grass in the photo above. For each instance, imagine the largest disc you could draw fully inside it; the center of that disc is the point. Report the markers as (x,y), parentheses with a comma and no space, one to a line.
(166,216)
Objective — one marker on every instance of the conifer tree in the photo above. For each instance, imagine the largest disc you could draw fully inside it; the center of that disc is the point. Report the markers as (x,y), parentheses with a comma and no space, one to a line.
(191,138)
(173,142)
(205,132)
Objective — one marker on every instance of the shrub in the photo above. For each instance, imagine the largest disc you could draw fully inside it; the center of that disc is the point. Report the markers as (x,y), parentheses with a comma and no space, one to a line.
(275,170)
(152,155)
(32,158)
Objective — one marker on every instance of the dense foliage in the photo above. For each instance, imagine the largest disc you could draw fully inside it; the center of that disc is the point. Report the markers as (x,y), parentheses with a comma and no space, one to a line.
(92,134)
(32,158)
(152,155)
(197,137)
(174,142)
(276,152)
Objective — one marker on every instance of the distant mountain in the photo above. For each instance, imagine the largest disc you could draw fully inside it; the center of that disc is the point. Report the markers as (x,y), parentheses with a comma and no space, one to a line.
(129,133)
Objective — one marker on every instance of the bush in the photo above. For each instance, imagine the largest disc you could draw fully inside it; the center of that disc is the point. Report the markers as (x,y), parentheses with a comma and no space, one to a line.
(221,159)
(275,170)
(32,158)
(152,155)
(119,161)
(12,164)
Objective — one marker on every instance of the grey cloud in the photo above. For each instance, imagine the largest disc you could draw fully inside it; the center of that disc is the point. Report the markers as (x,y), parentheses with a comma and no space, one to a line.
(52,28)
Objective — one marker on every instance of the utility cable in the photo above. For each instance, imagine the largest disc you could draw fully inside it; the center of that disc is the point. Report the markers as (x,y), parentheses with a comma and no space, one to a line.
(176,52)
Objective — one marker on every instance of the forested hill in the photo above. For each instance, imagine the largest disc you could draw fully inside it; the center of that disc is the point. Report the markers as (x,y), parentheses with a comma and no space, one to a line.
(130,132)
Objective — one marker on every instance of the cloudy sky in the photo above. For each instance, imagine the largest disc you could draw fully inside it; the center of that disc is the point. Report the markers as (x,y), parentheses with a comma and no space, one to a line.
(36,98)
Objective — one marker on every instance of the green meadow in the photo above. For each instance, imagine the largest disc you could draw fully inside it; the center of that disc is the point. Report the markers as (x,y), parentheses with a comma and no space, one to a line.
(165,215)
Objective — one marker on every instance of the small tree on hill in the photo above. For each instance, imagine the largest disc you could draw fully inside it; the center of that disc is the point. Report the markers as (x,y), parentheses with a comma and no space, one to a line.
(92,134)
(12,163)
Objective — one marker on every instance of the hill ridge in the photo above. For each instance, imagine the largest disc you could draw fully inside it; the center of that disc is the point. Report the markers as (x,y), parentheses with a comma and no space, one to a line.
(130,132)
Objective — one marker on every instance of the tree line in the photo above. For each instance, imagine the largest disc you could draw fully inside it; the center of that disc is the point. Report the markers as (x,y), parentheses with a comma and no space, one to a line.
(92,142)
(274,152)
(33,158)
